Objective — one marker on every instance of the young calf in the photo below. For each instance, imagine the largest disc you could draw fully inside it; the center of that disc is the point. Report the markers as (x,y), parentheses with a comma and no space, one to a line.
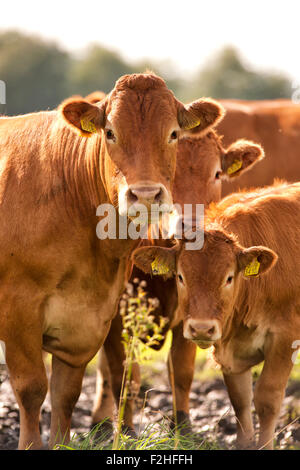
(241,293)
(202,164)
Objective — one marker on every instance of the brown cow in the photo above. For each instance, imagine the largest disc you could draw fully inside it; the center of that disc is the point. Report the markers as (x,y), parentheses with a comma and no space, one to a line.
(202,165)
(230,297)
(276,126)
(60,284)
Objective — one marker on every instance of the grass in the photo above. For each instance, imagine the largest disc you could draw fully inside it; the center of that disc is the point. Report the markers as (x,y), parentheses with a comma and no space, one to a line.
(153,437)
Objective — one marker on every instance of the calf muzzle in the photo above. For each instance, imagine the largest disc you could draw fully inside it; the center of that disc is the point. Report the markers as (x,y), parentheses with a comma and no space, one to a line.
(203,332)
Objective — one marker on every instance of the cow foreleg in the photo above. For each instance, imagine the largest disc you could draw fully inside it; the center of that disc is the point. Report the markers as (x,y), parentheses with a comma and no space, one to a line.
(183,353)
(65,388)
(29,383)
(104,399)
(270,389)
(115,356)
(240,393)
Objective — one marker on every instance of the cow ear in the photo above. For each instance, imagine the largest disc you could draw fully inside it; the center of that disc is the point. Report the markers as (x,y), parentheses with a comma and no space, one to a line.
(156,260)
(257,260)
(240,157)
(95,97)
(199,116)
(83,117)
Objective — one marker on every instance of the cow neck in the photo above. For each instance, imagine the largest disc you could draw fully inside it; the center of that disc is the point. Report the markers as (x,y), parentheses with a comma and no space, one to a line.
(79,166)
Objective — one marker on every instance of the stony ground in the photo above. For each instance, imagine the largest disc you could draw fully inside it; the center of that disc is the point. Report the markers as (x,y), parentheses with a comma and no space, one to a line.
(211,412)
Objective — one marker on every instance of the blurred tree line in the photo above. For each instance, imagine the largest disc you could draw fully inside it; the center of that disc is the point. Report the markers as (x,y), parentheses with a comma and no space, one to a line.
(39,75)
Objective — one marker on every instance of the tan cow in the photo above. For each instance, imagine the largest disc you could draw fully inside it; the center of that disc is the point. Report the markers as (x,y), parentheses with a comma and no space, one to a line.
(60,284)
(241,292)
(202,166)
(276,126)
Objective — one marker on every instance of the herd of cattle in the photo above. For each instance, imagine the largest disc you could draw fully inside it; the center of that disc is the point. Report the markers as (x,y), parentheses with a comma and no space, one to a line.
(61,285)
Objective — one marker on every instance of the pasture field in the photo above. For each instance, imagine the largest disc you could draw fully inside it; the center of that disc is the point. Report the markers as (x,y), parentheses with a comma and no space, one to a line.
(212,416)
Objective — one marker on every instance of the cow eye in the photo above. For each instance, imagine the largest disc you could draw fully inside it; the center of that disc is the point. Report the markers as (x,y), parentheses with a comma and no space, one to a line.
(110,135)
(229,280)
(218,175)
(174,135)
(180,278)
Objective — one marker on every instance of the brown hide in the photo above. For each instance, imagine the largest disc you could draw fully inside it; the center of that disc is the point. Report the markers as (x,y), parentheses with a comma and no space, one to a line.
(276,126)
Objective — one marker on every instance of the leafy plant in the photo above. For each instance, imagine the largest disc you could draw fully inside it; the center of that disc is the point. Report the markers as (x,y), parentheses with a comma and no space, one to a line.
(140,332)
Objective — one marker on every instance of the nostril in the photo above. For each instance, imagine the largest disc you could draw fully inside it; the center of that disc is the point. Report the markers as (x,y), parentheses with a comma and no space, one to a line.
(158,196)
(132,198)
(211,331)
(193,331)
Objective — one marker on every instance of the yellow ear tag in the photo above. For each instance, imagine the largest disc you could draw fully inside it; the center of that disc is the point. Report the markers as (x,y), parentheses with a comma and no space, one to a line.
(196,123)
(87,125)
(159,268)
(237,164)
(252,268)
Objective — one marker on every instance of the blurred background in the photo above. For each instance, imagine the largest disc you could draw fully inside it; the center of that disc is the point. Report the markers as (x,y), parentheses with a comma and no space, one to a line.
(49,51)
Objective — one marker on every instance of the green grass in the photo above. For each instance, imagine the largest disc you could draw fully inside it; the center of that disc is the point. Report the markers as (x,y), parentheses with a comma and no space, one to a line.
(153,437)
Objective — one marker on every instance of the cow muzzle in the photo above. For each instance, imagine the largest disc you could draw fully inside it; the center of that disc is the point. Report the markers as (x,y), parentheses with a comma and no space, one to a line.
(150,198)
(203,332)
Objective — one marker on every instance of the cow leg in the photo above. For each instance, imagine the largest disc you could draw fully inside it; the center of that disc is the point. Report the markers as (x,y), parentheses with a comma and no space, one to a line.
(115,355)
(240,393)
(29,382)
(183,353)
(104,399)
(65,388)
(270,389)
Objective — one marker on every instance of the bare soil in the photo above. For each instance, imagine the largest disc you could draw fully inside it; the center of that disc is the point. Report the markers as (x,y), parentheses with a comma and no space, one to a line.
(211,412)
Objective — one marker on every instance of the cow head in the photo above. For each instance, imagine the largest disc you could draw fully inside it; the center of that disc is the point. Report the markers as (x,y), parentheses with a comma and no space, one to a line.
(140,122)
(203,163)
(208,280)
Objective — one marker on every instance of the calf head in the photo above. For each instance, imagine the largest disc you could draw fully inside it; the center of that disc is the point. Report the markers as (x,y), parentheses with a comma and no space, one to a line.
(141,122)
(208,280)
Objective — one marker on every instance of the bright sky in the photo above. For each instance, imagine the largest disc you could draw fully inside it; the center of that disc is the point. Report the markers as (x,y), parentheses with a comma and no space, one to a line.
(187,32)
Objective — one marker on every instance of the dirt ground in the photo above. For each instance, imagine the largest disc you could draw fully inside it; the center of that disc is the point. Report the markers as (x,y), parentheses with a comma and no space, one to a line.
(211,413)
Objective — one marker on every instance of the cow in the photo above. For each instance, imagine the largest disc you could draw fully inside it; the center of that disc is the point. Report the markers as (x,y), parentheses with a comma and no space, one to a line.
(275,124)
(60,284)
(202,166)
(240,293)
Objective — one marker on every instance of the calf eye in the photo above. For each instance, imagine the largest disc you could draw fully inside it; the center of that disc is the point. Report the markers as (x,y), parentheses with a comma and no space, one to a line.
(174,135)
(180,278)
(229,280)
(110,135)
(218,175)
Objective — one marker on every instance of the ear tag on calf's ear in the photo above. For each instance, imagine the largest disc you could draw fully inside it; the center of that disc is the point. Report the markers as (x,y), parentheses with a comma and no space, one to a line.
(194,124)
(159,268)
(88,126)
(237,164)
(252,268)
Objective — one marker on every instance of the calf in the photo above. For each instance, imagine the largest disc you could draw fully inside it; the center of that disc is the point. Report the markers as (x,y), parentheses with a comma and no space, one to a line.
(202,165)
(240,293)
(60,284)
